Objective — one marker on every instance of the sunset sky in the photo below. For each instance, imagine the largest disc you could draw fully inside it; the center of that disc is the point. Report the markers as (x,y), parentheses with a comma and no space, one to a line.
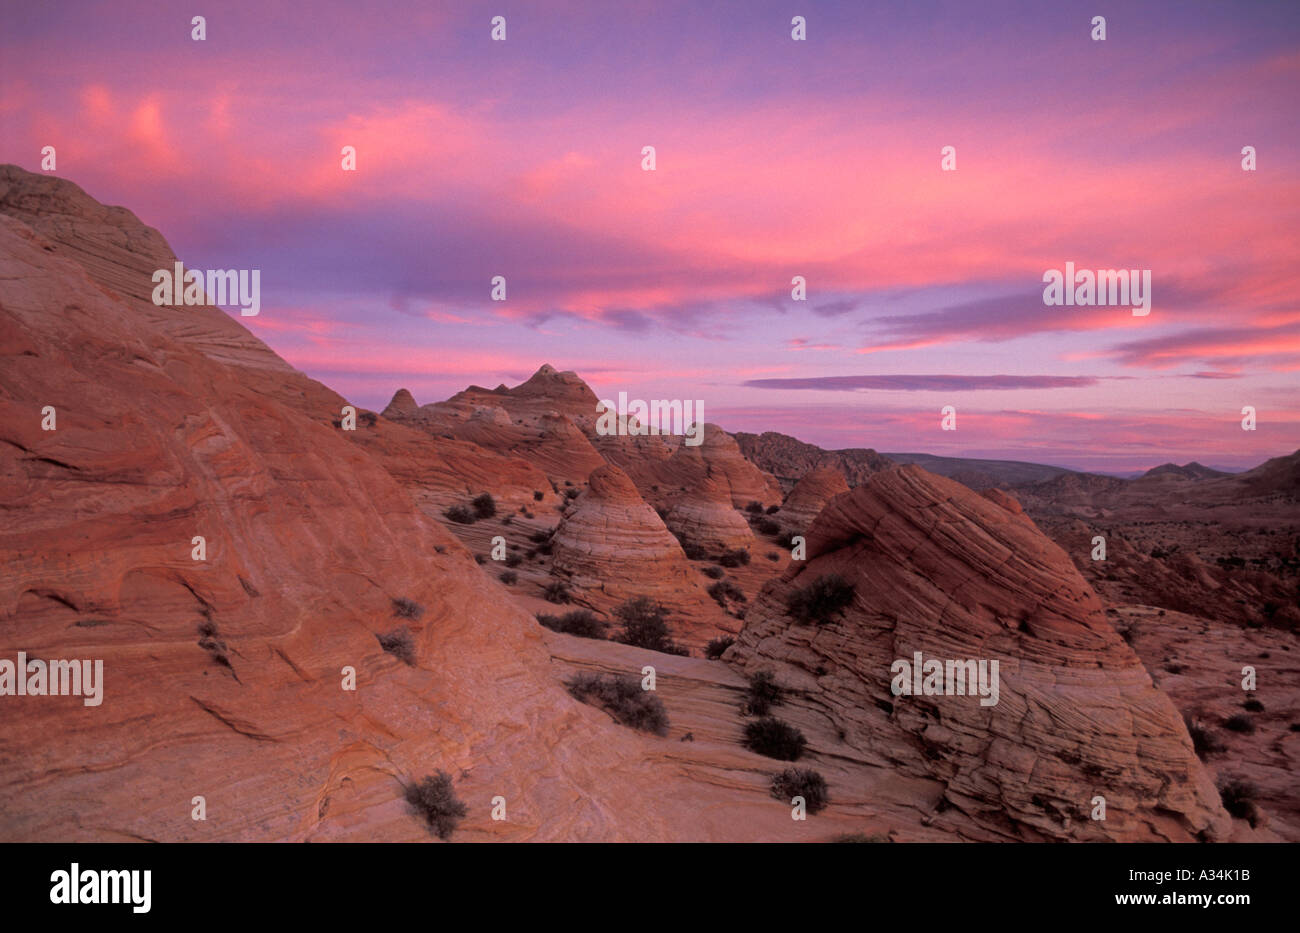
(775,158)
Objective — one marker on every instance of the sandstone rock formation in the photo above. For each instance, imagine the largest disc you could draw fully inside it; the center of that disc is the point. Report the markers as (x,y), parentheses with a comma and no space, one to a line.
(940,570)
(788,458)
(612,547)
(703,517)
(402,405)
(809,495)
(177,422)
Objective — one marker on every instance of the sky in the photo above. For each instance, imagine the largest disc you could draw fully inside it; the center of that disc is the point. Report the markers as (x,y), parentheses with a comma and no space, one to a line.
(774,158)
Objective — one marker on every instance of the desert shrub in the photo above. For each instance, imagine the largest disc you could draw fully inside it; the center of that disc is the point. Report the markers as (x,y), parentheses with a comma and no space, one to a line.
(507,520)
(1253,706)
(1239,797)
(820,600)
(572,493)
(513,560)
(460,515)
(717,647)
(399,644)
(763,693)
(713,573)
(775,739)
(1204,740)
(754,508)
(557,592)
(768,527)
(623,698)
(368,418)
(645,625)
(538,495)
(695,552)
(537,537)
(435,799)
(545,547)
(484,505)
(724,590)
(580,622)
(802,782)
(405,608)
(773,509)
(1240,723)
(509,577)
(734,558)
(480,559)
(207,628)
(772,555)
(786,540)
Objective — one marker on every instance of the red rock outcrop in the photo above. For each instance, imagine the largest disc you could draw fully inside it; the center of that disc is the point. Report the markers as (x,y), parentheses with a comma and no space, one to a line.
(402,405)
(940,570)
(789,459)
(810,494)
(611,546)
(225,677)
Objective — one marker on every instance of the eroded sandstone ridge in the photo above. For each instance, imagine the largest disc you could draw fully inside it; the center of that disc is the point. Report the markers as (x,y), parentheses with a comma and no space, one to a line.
(224,676)
(938,569)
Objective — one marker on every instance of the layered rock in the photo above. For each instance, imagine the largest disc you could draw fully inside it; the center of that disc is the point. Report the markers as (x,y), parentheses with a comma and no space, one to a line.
(939,570)
(789,459)
(703,517)
(401,406)
(611,546)
(809,495)
(716,462)
(224,676)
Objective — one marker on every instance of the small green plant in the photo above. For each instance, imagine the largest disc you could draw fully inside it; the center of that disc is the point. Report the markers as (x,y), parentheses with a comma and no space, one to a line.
(513,559)
(713,573)
(399,644)
(581,622)
(434,798)
(725,590)
(763,693)
(405,608)
(557,592)
(717,647)
(1240,723)
(645,625)
(802,782)
(484,506)
(623,698)
(509,577)
(819,602)
(1204,741)
(776,739)
(1239,797)
(754,508)
(737,557)
(538,495)
(460,515)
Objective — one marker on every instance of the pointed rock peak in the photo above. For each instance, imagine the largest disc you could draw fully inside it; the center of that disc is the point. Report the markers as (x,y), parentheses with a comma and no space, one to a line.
(546,370)
(403,403)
